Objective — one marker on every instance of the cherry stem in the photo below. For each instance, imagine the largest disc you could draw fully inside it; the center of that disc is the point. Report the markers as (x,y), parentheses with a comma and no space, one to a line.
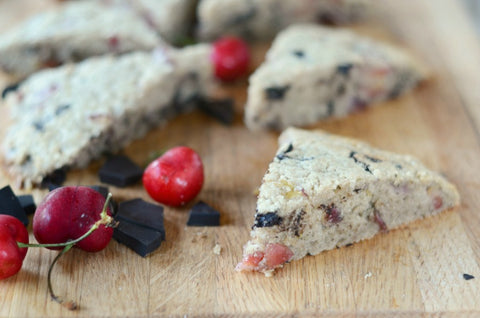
(105,219)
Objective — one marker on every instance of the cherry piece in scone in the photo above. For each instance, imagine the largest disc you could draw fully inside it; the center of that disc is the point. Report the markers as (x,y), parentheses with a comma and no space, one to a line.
(230,57)
(67,213)
(174,178)
(11,255)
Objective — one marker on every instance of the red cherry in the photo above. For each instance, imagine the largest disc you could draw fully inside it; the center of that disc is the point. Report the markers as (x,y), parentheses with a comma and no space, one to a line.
(67,213)
(174,178)
(11,255)
(230,57)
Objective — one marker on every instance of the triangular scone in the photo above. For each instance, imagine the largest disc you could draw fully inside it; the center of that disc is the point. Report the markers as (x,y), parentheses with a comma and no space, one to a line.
(262,19)
(313,72)
(66,116)
(76,30)
(323,191)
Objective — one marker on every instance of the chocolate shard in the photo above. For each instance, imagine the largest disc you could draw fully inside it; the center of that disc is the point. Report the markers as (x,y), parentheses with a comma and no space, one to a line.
(120,171)
(27,203)
(203,214)
(220,109)
(142,213)
(140,239)
(10,205)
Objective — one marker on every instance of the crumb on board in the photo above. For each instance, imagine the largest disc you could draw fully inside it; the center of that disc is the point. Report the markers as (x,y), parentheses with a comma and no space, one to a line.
(368,275)
(217,249)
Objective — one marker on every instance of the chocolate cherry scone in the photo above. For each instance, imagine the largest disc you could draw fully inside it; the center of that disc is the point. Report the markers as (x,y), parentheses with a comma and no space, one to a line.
(262,19)
(313,72)
(76,30)
(67,116)
(324,191)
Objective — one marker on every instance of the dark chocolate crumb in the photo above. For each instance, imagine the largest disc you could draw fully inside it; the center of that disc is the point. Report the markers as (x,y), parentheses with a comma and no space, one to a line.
(296,225)
(276,92)
(9,204)
(344,69)
(299,53)
(364,165)
(220,109)
(120,171)
(372,159)
(468,276)
(60,109)
(10,89)
(348,245)
(203,214)
(267,220)
(38,125)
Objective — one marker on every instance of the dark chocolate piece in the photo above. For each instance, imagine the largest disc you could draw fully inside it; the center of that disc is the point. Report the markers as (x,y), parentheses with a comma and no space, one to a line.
(10,205)
(344,69)
(283,154)
(276,92)
(299,53)
(27,203)
(220,109)
(203,214)
(120,171)
(468,276)
(60,109)
(267,220)
(54,180)
(140,239)
(142,213)
(9,89)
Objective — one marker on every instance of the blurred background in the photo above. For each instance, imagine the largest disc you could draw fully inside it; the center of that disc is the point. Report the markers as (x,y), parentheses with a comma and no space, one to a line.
(473,7)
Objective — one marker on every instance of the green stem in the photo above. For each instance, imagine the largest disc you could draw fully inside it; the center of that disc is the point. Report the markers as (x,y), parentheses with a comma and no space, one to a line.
(69,304)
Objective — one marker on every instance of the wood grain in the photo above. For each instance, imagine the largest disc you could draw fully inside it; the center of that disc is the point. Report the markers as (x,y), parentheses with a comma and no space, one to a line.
(415,271)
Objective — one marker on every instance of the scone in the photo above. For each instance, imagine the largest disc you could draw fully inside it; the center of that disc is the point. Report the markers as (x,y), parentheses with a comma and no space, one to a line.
(313,72)
(67,116)
(77,30)
(262,19)
(324,191)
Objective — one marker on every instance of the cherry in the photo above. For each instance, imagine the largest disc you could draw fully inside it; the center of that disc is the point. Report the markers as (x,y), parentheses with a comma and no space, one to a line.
(11,255)
(174,178)
(67,213)
(230,57)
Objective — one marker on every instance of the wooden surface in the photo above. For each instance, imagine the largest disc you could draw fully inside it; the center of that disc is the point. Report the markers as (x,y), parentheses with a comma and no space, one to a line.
(414,271)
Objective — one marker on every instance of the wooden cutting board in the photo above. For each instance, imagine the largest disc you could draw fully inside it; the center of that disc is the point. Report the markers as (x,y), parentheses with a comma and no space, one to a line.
(414,271)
